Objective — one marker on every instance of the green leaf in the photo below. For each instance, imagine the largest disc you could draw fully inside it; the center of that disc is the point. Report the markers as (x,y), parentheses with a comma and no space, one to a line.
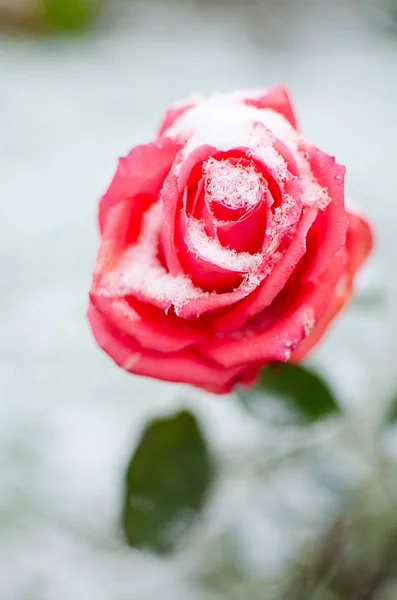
(391,417)
(296,387)
(166,482)
(67,14)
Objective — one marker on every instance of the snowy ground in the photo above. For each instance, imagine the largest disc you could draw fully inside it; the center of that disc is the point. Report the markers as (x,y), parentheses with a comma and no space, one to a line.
(68,416)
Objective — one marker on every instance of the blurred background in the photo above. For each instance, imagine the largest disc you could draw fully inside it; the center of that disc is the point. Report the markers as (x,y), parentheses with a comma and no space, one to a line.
(80,84)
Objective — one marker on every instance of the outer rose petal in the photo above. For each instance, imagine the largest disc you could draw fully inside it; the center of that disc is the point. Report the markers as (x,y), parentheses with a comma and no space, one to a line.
(122,227)
(149,326)
(141,172)
(359,243)
(278,99)
(171,115)
(182,367)
(272,335)
(331,226)
(134,187)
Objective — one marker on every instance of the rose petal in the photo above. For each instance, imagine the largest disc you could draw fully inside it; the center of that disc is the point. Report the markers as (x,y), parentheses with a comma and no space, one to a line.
(272,285)
(151,327)
(246,234)
(210,265)
(120,229)
(183,367)
(172,194)
(276,331)
(278,99)
(139,270)
(359,243)
(209,302)
(171,114)
(141,172)
(330,228)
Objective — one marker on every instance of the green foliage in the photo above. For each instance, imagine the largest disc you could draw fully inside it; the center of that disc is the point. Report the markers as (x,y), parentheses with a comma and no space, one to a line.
(356,558)
(391,417)
(166,482)
(66,14)
(297,387)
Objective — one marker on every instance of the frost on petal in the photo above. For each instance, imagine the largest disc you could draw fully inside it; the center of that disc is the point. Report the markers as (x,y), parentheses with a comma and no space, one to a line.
(272,285)
(210,265)
(226,124)
(173,112)
(235,186)
(172,194)
(140,273)
(313,192)
(277,98)
(122,227)
(209,249)
(329,231)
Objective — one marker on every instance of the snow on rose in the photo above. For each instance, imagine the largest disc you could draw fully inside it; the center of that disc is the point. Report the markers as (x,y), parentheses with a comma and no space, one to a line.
(225,244)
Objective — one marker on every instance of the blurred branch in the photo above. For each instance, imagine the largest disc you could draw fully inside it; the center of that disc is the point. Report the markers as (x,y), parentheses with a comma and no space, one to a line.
(357,556)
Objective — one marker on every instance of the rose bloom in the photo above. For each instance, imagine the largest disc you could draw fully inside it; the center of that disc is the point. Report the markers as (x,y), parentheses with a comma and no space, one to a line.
(225,244)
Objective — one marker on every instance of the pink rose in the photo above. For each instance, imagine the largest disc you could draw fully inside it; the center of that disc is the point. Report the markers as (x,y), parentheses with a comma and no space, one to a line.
(225,244)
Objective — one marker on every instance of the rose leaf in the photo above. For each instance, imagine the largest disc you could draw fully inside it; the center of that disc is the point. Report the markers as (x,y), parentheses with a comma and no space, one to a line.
(166,483)
(296,388)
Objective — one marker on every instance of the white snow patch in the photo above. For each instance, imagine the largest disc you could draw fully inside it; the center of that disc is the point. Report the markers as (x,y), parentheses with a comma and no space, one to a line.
(235,186)
(139,269)
(225,122)
(314,193)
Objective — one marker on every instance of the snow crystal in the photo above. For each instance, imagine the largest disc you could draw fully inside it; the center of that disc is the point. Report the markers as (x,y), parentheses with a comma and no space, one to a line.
(261,141)
(235,186)
(252,280)
(282,222)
